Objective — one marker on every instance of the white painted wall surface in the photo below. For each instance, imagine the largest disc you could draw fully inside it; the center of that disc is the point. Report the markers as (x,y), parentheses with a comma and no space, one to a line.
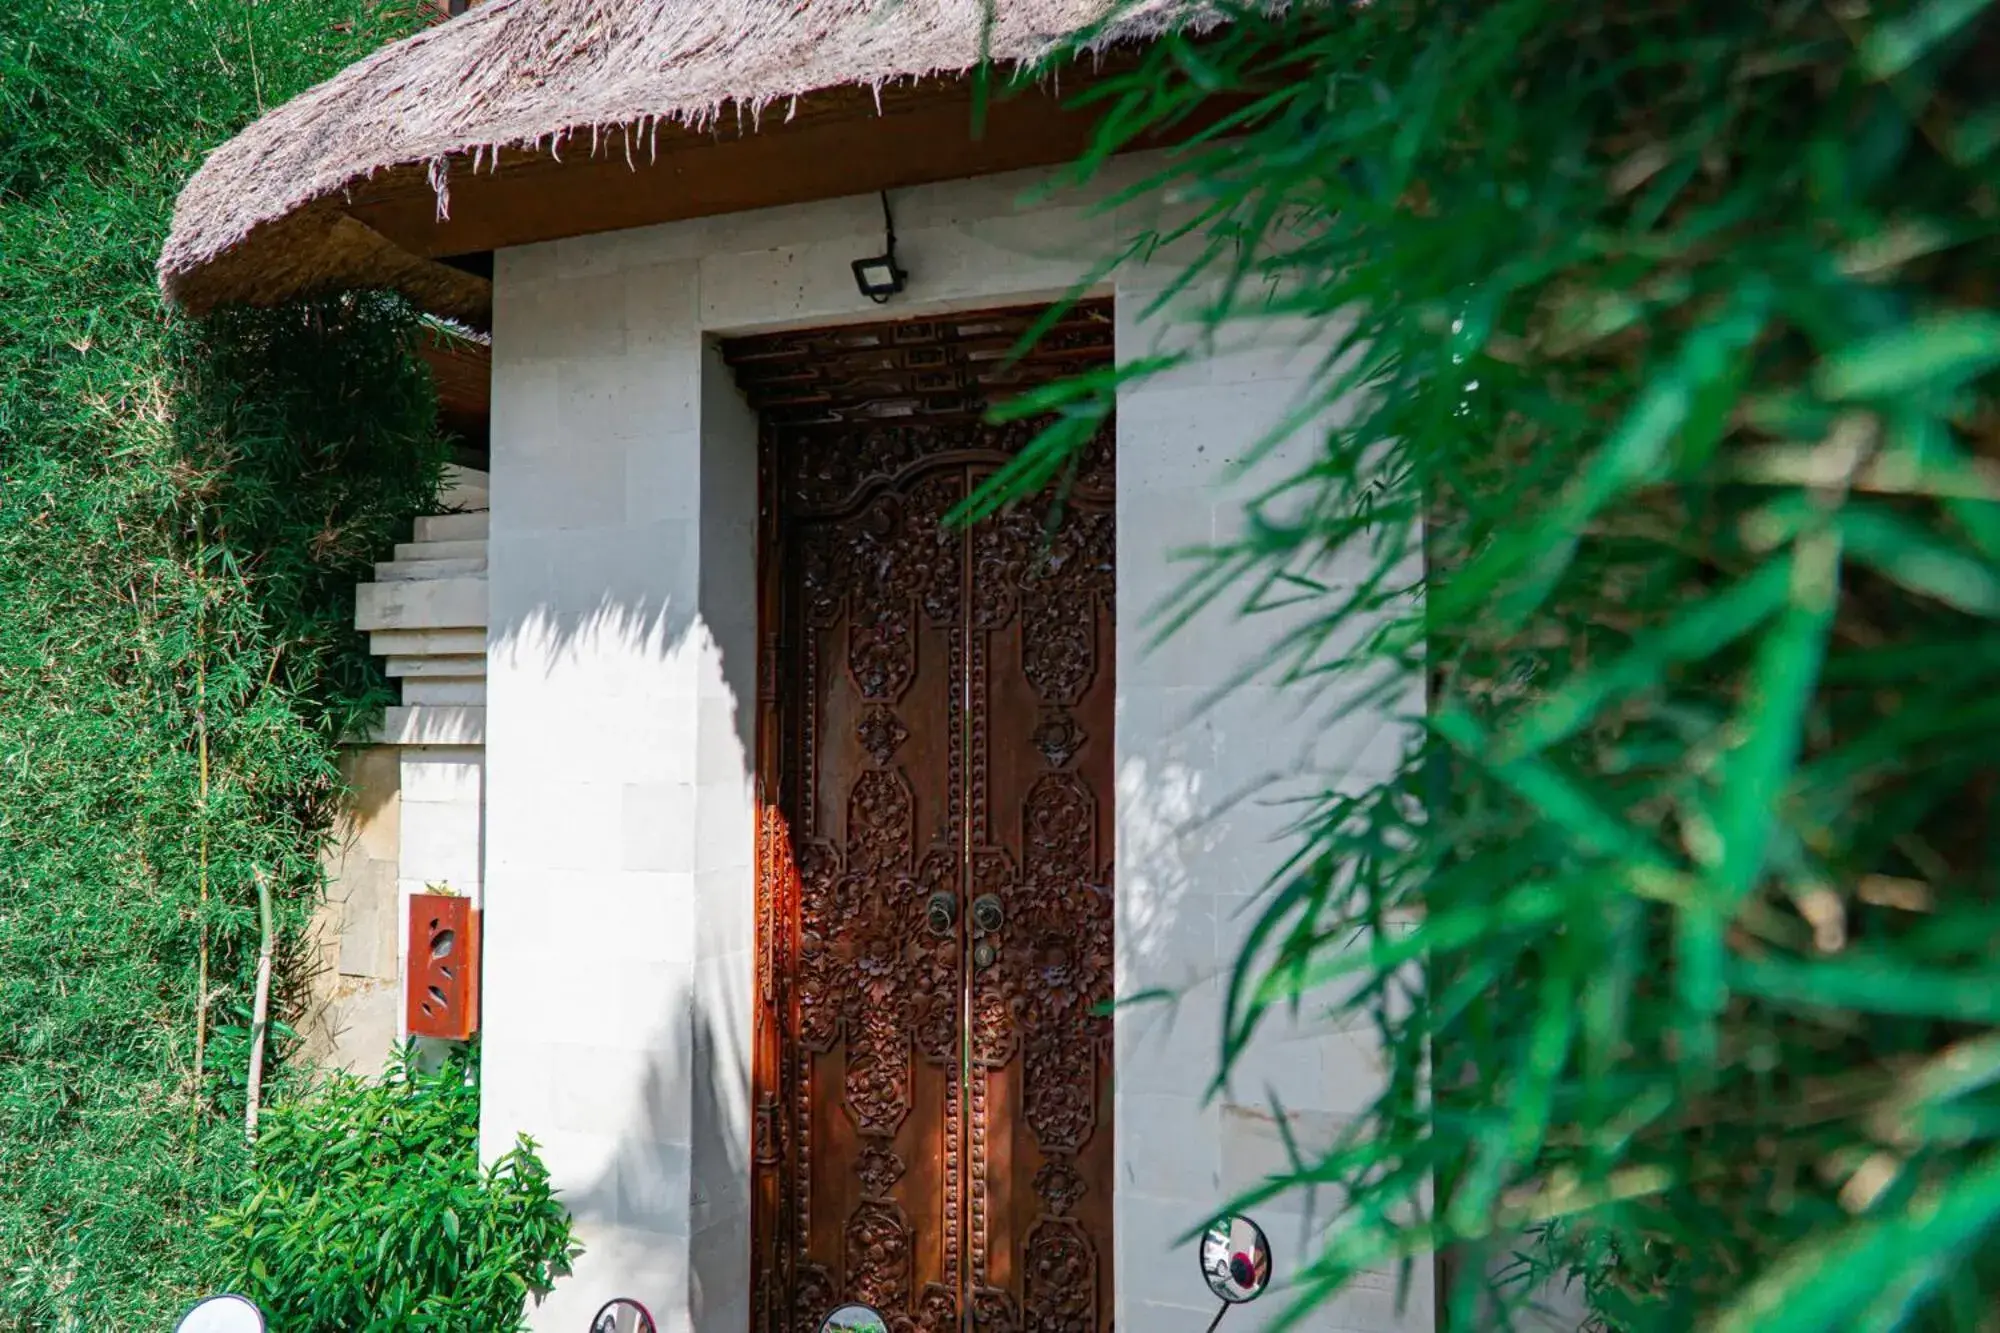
(618,876)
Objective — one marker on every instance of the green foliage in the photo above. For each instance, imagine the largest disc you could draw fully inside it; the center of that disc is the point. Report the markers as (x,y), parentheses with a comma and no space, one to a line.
(1664,342)
(367,1211)
(183,512)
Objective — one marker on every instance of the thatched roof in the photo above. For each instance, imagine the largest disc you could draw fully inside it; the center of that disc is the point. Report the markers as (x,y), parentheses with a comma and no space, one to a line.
(266,216)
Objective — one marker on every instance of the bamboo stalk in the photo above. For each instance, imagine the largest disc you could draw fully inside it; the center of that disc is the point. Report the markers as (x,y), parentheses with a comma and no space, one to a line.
(201,745)
(260,1009)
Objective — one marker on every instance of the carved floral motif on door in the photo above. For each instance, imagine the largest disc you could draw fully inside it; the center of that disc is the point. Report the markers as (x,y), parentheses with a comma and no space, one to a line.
(933,1062)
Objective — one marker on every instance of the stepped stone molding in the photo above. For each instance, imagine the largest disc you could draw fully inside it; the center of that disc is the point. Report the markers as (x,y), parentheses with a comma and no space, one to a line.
(418,775)
(433,724)
(426,613)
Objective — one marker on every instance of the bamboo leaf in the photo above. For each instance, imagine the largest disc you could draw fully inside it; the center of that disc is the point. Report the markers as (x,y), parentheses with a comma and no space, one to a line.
(1938,351)
(1823,1282)
(1900,42)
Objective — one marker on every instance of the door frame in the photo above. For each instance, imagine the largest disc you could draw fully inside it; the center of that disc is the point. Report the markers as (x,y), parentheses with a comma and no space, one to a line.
(776,909)
(778,890)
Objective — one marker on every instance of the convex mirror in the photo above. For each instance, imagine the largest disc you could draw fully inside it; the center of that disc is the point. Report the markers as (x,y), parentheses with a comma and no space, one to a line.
(222,1314)
(854,1319)
(1235,1259)
(623,1315)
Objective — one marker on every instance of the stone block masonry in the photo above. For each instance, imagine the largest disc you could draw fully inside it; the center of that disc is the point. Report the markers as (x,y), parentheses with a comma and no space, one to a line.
(355,1000)
(619,782)
(415,810)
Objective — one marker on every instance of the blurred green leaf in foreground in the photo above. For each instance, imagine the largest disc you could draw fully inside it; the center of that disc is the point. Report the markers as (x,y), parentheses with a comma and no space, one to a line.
(1665,346)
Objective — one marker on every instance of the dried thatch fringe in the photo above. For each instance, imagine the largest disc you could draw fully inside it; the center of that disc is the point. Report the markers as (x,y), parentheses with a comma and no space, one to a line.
(528,73)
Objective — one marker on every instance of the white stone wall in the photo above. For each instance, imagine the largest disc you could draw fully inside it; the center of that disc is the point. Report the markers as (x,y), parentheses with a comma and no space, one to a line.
(442,812)
(618,878)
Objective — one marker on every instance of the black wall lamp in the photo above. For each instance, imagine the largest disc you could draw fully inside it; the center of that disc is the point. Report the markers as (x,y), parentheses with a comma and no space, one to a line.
(879,278)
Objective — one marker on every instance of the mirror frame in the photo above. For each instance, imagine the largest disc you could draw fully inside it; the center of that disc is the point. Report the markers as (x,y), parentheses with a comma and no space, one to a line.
(1263,1242)
(651,1325)
(826,1320)
(231,1297)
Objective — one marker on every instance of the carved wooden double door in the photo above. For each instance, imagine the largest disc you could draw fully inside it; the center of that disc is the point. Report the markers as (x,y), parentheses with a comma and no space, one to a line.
(933,1129)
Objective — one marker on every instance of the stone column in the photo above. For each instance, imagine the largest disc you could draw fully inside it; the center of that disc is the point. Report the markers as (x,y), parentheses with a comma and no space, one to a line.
(620,830)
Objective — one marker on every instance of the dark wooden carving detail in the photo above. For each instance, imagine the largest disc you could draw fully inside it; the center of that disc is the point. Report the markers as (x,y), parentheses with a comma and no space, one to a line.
(1058,737)
(881,734)
(879,1170)
(993,1311)
(1044,601)
(1059,1187)
(1060,1286)
(878,1072)
(878,826)
(878,1256)
(937,1311)
(933,1117)
(813,1294)
(947,366)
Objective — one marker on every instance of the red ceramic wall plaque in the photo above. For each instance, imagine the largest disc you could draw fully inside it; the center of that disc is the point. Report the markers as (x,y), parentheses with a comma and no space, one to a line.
(441,987)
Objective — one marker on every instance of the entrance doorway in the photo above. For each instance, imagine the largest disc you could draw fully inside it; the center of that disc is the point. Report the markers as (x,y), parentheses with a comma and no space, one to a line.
(933,1063)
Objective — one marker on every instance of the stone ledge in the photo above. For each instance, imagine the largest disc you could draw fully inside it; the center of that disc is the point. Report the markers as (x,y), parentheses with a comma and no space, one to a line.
(421,604)
(425,691)
(452,550)
(427,642)
(452,527)
(404,571)
(465,488)
(459,664)
(431,724)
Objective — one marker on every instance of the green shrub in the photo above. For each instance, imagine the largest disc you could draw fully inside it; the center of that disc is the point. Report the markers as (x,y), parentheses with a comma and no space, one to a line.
(367,1210)
(183,512)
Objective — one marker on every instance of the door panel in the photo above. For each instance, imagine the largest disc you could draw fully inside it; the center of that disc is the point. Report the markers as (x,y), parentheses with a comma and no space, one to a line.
(872,780)
(933,1099)
(1041,695)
